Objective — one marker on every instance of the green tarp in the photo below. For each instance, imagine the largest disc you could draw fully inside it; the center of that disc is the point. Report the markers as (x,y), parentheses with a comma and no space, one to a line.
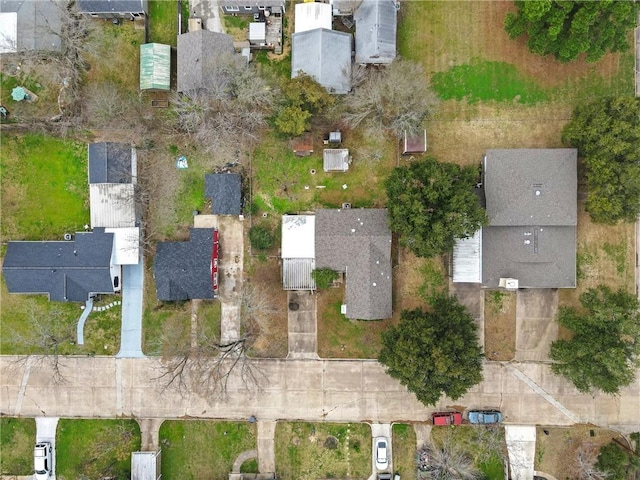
(155,66)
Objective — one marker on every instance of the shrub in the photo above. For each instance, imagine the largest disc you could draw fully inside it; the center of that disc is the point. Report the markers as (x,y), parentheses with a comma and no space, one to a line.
(260,237)
(324,277)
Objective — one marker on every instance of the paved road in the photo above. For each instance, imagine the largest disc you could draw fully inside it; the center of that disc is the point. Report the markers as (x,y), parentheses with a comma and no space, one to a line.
(131,327)
(321,390)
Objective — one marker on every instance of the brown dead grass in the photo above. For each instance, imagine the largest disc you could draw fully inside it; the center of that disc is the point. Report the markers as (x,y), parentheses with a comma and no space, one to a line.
(500,326)
(556,452)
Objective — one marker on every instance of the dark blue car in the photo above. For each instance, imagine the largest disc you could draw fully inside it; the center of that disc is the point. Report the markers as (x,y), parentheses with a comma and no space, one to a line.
(485,417)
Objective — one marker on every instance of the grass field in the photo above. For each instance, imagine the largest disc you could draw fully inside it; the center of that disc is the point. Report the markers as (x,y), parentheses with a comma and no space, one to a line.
(203,449)
(163,22)
(404,450)
(95,448)
(44,187)
(17,437)
(307,451)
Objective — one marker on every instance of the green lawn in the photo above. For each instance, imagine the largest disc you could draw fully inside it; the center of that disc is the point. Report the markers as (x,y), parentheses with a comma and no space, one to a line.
(163,21)
(308,451)
(96,448)
(202,449)
(404,450)
(44,187)
(17,437)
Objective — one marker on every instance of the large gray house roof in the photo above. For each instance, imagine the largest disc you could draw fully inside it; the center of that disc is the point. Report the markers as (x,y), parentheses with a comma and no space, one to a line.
(376,24)
(202,60)
(358,242)
(68,271)
(531,199)
(182,270)
(324,55)
(110,163)
(225,192)
(112,6)
(30,25)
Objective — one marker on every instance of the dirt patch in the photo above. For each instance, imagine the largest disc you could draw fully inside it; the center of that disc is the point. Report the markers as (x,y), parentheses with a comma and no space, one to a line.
(557,448)
(500,325)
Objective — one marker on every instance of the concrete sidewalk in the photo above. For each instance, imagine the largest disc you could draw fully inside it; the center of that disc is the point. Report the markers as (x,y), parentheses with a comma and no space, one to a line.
(323,390)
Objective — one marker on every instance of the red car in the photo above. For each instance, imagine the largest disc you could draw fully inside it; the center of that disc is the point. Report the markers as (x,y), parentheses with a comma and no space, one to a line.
(446,418)
(214,261)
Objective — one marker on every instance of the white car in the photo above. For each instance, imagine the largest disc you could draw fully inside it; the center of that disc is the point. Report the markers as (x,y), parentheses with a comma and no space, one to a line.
(381,447)
(42,460)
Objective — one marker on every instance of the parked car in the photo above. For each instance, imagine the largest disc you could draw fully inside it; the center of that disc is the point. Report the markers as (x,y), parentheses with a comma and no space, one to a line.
(381,448)
(42,460)
(446,418)
(384,476)
(485,417)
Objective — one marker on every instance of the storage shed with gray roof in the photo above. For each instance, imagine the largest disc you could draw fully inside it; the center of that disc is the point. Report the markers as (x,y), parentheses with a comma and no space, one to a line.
(66,271)
(182,270)
(376,26)
(324,55)
(203,58)
(357,242)
(225,192)
(531,197)
(30,25)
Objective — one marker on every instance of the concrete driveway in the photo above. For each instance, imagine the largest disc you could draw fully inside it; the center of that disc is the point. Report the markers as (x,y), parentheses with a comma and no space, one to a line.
(521,445)
(303,329)
(46,432)
(535,325)
(380,430)
(131,327)
(209,11)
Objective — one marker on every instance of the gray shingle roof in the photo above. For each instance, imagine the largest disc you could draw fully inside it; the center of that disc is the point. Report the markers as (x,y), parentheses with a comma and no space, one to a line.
(254,3)
(110,163)
(67,271)
(324,55)
(531,197)
(202,59)
(111,6)
(225,192)
(376,24)
(38,25)
(358,242)
(182,270)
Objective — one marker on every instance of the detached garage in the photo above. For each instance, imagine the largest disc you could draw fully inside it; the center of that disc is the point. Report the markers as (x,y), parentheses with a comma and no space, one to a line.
(155,66)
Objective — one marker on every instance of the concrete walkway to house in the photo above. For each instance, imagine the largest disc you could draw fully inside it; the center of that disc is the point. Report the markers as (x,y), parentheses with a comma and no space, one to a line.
(302,324)
(131,327)
(210,12)
(266,446)
(423,434)
(536,327)
(150,433)
(521,445)
(321,390)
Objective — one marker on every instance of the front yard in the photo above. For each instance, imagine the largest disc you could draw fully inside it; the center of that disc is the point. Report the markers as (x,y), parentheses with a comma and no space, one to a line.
(17,437)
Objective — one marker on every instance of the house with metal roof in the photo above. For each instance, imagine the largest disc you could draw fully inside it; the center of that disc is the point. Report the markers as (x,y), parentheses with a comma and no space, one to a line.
(30,25)
(129,9)
(376,26)
(324,55)
(298,252)
(312,15)
(65,271)
(335,159)
(249,7)
(225,192)
(203,58)
(112,183)
(530,241)
(357,242)
(183,270)
(155,66)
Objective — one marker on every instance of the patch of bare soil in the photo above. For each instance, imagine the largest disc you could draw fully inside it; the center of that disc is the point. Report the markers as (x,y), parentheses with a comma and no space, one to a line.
(557,448)
(500,325)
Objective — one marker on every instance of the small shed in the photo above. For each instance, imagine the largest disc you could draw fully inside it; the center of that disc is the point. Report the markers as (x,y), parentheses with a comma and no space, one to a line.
(155,66)
(258,33)
(335,159)
(311,15)
(414,142)
(302,146)
(298,252)
(145,466)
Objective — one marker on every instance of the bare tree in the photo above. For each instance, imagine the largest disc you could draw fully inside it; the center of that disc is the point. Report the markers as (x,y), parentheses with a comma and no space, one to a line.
(394,98)
(104,103)
(585,463)
(446,462)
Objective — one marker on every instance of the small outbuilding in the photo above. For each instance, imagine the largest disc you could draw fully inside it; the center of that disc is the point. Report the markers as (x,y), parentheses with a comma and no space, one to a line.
(310,15)
(335,159)
(225,192)
(258,33)
(376,26)
(302,146)
(155,66)
(145,466)
(298,252)
(414,143)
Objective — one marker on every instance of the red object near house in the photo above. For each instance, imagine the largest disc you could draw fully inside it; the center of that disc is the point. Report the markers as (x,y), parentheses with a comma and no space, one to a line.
(446,418)
(214,261)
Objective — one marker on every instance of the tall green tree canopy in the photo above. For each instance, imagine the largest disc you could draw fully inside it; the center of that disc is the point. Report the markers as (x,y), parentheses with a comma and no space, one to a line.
(434,352)
(431,204)
(606,132)
(604,352)
(567,28)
